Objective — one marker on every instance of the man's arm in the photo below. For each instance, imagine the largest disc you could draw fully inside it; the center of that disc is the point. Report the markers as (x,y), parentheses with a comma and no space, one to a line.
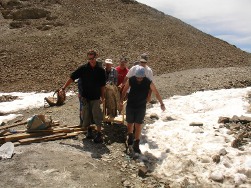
(103,93)
(154,89)
(68,82)
(124,81)
(124,91)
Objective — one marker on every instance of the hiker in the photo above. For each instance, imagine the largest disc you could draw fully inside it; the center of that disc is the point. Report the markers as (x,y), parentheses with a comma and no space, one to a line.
(92,85)
(143,63)
(136,105)
(111,74)
(148,72)
(122,71)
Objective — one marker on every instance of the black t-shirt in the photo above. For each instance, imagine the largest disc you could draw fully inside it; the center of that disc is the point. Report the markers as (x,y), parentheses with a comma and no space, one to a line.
(92,79)
(137,96)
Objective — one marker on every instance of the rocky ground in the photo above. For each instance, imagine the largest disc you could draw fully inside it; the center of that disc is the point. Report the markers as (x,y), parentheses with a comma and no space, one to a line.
(78,162)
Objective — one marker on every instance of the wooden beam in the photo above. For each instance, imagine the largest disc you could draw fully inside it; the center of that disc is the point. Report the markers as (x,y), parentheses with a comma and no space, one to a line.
(13,125)
(48,138)
(39,139)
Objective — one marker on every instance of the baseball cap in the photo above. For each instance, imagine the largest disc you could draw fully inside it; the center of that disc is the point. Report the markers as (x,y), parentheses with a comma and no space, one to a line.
(140,71)
(144,56)
(143,60)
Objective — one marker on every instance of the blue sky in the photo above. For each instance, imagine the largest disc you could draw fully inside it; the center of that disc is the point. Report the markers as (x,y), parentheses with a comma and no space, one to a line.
(229,20)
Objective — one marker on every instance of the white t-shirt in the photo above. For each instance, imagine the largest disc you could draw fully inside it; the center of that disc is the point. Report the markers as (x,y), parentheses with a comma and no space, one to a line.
(148,72)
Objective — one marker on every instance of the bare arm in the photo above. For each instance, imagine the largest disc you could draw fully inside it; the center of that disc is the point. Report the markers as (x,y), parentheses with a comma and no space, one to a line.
(102,93)
(68,82)
(124,92)
(124,81)
(154,89)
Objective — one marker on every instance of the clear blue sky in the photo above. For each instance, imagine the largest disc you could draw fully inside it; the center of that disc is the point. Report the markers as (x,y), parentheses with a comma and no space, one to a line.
(229,20)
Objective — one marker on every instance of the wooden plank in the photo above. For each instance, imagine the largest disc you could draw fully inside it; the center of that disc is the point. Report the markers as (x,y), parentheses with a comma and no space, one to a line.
(43,138)
(58,130)
(49,138)
(13,125)
(16,137)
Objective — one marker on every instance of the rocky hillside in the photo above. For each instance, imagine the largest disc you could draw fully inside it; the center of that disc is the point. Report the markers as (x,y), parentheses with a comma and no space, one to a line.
(42,41)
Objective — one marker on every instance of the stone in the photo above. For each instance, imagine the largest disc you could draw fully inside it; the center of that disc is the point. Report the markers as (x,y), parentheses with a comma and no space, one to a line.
(227,164)
(198,130)
(126,183)
(196,124)
(205,160)
(223,120)
(216,158)
(154,116)
(217,176)
(236,143)
(6,150)
(235,126)
(30,13)
(234,119)
(169,118)
(223,151)
(245,119)
(142,171)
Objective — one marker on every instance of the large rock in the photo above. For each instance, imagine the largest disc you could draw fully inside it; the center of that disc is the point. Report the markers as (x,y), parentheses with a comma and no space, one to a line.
(10,3)
(30,13)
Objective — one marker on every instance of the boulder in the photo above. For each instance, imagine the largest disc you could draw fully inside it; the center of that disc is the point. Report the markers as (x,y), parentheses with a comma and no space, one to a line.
(30,13)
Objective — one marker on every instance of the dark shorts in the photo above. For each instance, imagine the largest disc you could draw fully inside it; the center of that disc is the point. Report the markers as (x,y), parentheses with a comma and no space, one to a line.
(135,115)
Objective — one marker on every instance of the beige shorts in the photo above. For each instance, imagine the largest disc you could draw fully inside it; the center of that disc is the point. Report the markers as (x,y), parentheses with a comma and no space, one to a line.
(91,112)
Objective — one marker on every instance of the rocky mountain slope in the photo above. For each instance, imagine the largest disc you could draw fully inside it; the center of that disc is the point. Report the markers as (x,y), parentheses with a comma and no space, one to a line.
(42,41)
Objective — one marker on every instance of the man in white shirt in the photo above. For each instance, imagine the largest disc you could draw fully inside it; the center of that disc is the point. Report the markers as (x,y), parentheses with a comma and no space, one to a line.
(148,72)
(143,63)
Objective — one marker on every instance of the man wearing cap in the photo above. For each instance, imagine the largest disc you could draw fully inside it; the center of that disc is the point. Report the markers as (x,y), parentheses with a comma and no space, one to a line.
(93,86)
(148,72)
(111,74)
(136,104)
(143,63)
(122,71)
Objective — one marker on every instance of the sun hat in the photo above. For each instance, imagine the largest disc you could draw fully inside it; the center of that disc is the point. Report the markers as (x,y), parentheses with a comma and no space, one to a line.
(140,71)
(108,61)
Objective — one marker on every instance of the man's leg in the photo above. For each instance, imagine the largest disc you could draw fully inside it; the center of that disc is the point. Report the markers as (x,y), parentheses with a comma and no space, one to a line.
(137,131)
(97,117)
(86,118)
(130,125)
(139,118)
(80,110)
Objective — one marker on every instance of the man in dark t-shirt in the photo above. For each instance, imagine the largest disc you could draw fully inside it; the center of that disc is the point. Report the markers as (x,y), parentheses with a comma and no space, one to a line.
(136,104)
(92,87)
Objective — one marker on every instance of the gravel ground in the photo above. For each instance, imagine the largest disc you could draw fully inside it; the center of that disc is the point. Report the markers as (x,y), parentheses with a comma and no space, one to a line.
(81,163)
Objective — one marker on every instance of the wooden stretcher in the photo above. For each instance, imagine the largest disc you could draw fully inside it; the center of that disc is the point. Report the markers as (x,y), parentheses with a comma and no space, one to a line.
(119,119)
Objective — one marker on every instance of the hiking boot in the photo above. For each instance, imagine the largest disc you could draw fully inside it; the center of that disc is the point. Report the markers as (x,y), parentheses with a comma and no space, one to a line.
(129,139)
(136,147)
(89,134)
(98,138)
